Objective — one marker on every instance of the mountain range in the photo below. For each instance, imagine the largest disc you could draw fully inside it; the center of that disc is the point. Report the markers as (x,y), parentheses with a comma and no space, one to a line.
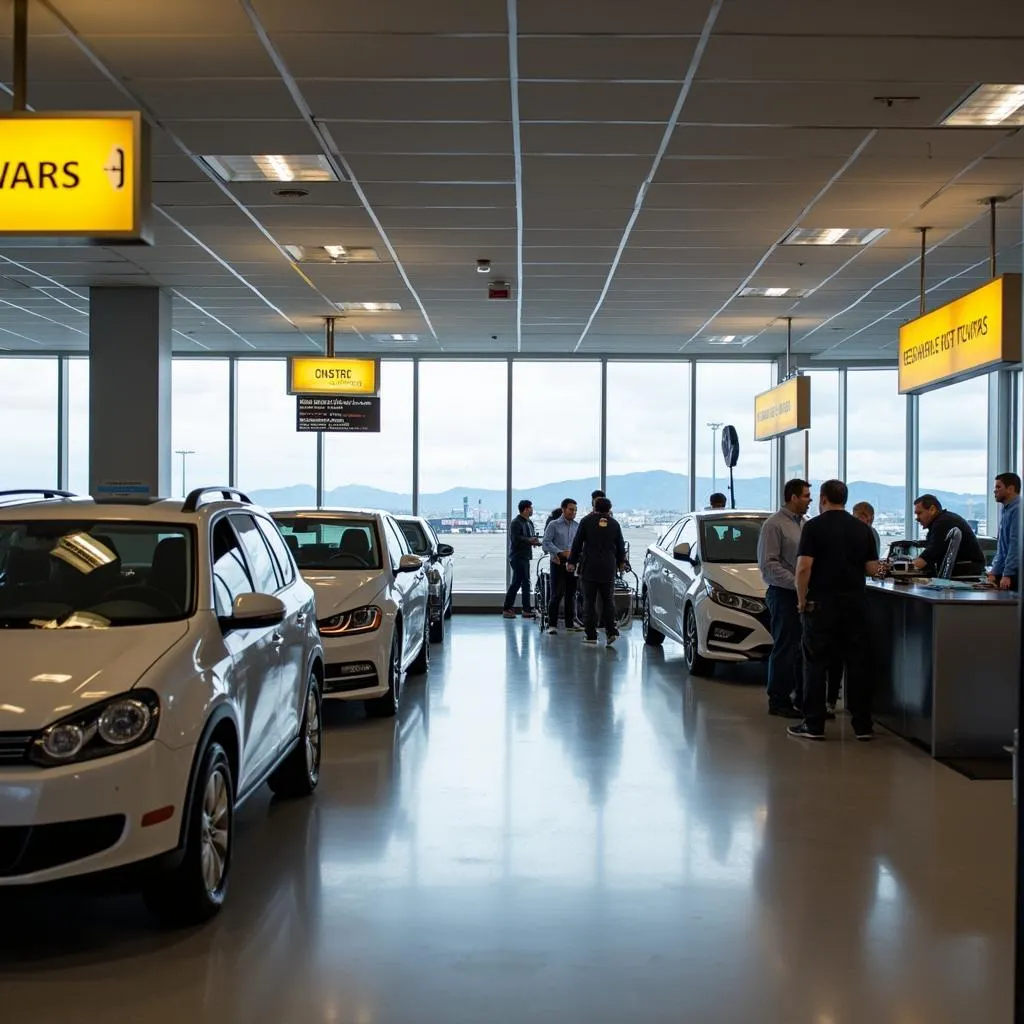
(650,491)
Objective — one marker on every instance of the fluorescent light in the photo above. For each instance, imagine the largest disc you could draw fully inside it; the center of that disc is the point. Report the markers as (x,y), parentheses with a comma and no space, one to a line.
(273,167)
(296,252)
(397,338)
(368,307)
(773,293)
(333,254)
(833,236)
(738,340)
(989,106)
(336,252)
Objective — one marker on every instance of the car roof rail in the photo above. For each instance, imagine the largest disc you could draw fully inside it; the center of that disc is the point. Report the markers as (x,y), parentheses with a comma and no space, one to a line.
(43,492)
(194,500)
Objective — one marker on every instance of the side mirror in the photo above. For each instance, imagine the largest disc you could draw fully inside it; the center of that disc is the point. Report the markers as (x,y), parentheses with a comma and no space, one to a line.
(681,553)
(253,610)
(410,563)
(445,551)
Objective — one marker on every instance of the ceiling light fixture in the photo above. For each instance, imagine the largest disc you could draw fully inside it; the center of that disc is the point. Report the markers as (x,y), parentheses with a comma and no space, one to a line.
(336,252)
(731,339)
(332,254)
(406,339)
(273,167)
(483,266)
(772,293)
(368,307)
(291,193)
(989,106)
(833,236)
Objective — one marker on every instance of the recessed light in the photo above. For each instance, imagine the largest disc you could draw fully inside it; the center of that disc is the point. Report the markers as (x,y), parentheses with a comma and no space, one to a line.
(833,236)
(274,167)
(989,106)
(396,338)
(730,339)
(483,266)
(333,254)
(773,293)
(368,307)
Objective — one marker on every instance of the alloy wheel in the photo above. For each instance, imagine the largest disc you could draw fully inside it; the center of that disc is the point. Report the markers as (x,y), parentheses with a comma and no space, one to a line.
(215,835)
(690,636)
(313,735)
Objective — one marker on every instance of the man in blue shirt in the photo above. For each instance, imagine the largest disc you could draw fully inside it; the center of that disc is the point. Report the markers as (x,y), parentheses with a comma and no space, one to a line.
(558,537)
(1006,566)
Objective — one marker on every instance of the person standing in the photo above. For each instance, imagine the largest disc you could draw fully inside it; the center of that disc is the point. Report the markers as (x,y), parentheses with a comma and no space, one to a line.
(557,543)
(776,557)
(717,500)
(929,513)
(1005,572)
(836,555)
(522,539)
(599,550)
(865,512)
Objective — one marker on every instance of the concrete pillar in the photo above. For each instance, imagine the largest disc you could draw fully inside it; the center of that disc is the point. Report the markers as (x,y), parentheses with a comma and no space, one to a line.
(129,391)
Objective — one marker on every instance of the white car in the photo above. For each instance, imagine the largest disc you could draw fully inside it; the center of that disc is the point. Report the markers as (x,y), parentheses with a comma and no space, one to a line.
(371,601)
(440,560)
(701,586)
(161,662)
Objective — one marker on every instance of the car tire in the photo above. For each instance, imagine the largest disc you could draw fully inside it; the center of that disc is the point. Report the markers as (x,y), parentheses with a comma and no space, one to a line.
(652,636)
(421,666)
(386,706)
(437,628)
(697,664)
(194,890)
(298,774)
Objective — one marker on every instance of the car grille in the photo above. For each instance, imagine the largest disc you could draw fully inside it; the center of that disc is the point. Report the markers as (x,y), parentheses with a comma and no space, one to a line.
(30,848)
(14,747)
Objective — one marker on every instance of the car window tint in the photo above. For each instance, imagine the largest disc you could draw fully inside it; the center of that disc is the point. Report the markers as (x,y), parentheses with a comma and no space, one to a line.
(283,557)
(230,573)
(732,541)
(416,537)
(257,554)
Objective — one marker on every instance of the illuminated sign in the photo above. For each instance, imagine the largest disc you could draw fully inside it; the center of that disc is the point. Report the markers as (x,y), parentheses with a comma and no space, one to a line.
(77,175)
(322,375)
(783,410)
(967,337)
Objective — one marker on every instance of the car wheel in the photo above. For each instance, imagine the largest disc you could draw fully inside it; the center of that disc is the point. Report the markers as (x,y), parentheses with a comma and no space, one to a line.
(437,628)
(695,662)
(421,665)
(299,773)
(387,705)
(194,891)
(651,635)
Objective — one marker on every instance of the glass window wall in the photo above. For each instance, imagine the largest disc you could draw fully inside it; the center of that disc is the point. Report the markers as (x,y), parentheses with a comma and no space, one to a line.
(200,423)
(78,426)
(28,423)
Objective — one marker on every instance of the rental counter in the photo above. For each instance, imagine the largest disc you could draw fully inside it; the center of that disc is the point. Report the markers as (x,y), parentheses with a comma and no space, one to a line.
(944,666)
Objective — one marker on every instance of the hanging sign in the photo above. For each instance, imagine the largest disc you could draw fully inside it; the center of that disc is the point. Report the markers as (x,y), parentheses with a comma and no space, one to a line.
(972,335)
(74,175)
(322,375)
(783,410)
(335,414)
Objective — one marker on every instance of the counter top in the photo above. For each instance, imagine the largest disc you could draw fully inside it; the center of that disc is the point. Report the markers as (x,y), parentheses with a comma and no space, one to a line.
(921,593)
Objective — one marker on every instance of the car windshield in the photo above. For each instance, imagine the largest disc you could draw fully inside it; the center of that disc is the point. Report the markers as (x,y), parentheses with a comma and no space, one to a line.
(733,541)
(415,537)
(331,542)
(89,574)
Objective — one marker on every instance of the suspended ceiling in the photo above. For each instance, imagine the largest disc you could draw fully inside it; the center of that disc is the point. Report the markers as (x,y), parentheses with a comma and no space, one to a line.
(524,133)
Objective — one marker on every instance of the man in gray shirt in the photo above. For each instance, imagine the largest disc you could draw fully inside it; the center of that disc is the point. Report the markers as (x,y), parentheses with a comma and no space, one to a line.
(776,557)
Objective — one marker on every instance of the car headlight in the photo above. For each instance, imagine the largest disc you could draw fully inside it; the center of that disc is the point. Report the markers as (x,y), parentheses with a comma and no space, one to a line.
(108,728)
(737,602)
(359,620)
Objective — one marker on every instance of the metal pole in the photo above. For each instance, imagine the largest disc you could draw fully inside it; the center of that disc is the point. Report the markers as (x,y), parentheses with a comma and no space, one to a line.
(789,346)
(992,236)
(924,240)
(20,99)
(329,325)
(714,469)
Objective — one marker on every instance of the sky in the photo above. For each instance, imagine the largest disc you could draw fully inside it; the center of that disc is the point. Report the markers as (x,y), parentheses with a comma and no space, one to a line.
(556,425)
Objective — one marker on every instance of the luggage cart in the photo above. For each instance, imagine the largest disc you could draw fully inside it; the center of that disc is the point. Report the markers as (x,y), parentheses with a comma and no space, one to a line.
(626,594)
(542,591)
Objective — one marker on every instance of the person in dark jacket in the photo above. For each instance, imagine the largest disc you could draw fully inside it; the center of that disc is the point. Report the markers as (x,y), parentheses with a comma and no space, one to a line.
(599,550)
(970,560)
(522,539)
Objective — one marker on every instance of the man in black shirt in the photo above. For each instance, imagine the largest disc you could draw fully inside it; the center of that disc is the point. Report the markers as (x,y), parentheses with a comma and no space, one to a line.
(599,550)
(970,560)
(522,539)
(836,553)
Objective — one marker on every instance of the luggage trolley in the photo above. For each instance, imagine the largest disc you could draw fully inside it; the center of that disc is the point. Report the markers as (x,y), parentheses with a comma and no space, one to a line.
(626,593)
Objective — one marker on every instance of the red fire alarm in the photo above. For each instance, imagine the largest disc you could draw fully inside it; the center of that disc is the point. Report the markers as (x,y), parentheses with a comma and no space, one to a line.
(499,290)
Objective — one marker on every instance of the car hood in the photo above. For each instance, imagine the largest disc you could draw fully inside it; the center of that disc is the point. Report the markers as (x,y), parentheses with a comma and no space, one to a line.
(338,592)
(50,673)
(744,580)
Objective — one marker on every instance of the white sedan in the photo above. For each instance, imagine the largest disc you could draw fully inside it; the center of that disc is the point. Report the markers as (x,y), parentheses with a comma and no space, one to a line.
(701,586)
(371,601)
(161,661)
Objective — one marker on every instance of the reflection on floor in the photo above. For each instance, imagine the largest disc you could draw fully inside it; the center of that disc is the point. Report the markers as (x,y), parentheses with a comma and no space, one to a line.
(554,833)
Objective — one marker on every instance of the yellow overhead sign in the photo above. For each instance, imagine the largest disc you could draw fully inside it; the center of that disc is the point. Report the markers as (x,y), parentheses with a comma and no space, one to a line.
(967,337)
(783,410)
(81,175)
(311,375)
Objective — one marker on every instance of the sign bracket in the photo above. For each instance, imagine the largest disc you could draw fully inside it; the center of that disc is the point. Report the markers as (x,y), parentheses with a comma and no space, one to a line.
(20,98)
(329,336)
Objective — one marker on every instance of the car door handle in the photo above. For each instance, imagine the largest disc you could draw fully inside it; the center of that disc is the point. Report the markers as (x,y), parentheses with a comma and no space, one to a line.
(300,619)
(276,640)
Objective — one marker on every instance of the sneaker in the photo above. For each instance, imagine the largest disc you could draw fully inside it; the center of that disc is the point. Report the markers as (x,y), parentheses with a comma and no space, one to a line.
(508,613)
(529,614)
(830,712)
(552,631)
(611,638)
(864,734)
(784,711)
(802,732)
(589,642)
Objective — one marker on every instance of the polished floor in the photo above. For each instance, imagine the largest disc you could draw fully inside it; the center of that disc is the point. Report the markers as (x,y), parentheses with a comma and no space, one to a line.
(552,833)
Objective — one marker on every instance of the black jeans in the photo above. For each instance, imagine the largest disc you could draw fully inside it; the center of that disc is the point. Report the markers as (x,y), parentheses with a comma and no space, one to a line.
(520,581)
(833,628)
(563,591)
(785,672)
(591,590)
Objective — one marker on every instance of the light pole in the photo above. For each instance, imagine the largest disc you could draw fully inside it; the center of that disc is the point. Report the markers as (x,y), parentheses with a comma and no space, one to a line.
(184,453)
(715,427)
